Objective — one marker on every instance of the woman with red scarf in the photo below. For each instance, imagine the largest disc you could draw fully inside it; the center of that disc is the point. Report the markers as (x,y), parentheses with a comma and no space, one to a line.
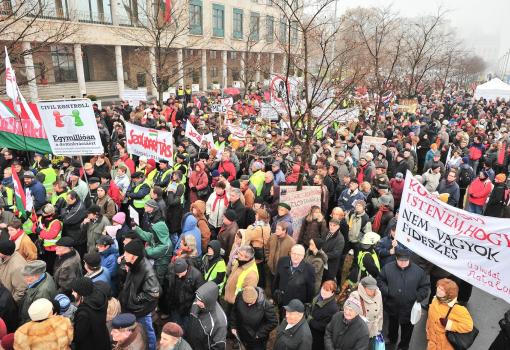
(49,229)
(24,245)
(383,216)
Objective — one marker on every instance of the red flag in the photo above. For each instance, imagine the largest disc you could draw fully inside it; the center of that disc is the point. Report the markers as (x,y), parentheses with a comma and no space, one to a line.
(168,11)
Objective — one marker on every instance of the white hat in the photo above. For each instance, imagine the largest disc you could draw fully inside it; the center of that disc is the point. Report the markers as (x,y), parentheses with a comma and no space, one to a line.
(40,309)
(143,159)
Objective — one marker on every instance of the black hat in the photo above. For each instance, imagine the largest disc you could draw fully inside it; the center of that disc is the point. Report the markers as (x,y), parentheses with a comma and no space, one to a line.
(94,180)
(225,174)
(106,175)
(123,321)
(136,175)
(230,214)
(393,227)
(135,247)
(92,259)
(163,161)
(83,286)
(75,172)
(380,166)
(132,234)
(318,242)
(93,209)
(65,242)
(295,305)
(115,158)
(354,181)
(259,199)
(105,240)
(352,140)
(180,265)
(45,162)
(401,155)
(7,247)
(383,187)
(235,184)
(403,255)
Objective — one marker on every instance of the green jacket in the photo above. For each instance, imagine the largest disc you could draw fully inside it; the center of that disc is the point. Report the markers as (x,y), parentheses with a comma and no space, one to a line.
(160,249)
(94,231)
(43,289)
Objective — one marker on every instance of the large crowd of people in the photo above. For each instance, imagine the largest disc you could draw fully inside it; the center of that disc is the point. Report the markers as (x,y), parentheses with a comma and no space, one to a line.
(213,251)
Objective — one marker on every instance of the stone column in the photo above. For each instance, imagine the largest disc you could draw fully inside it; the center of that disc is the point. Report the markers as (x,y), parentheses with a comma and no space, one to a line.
(180,69)
(257,76)
(224,81)
(120,69)
(29,65)
(115,12)
(243,70)
(153,87)
(80,73)
(204,69)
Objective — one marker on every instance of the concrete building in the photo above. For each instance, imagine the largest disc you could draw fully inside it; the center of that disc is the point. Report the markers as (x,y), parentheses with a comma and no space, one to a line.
(108,47)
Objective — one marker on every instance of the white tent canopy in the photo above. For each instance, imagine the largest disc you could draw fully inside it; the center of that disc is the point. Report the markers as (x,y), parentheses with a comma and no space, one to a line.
(493,89)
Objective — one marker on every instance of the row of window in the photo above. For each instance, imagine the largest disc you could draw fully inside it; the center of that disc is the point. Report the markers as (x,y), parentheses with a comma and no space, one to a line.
(218,24)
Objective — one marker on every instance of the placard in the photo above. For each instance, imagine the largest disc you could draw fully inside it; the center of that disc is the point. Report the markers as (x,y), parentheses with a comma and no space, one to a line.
(300,203)
(71,127)
(193,135)
(237,132)
(134,215)
(151,143)
(216,108)
(369,140)
(227,102)
(195,88)
(133,96)
(268,112)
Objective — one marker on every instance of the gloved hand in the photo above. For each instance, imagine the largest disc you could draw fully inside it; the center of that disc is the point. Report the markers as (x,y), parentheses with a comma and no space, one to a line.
(194,189)
(133,223)
(443,321)
(471,195)
(38,230)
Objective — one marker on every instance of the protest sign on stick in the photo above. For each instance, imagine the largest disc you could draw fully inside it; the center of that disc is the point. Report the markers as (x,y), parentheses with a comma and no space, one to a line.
(151,143)
(300,203)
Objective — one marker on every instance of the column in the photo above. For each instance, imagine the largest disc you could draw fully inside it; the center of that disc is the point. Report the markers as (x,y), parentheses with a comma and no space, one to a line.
(257,76)
(120,69)
(115,12)
(80,73)
(73,11)
(180,69)
(271,66)
(29,65)
(224,82)
(154,87)
(204,70)
(243,71)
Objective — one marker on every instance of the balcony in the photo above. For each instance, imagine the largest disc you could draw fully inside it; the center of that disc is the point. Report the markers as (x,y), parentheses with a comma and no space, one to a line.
(94,17)
(132,21)
(60,14)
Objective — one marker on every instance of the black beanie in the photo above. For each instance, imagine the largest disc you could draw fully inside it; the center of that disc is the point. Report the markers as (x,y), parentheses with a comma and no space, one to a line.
(259,200)
(56,307)
(318,243)
(83,286)
(7,247)
(225,174)
(235,184)
(134,247)
(230,214)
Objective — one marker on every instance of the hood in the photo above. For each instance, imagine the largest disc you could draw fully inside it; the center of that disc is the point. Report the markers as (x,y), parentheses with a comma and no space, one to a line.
(189,222)
(96,301)
(200,207)
(160,229)
(151,165)
(201,166)
(262,295)
(320,254)
(208,294)
(216,247)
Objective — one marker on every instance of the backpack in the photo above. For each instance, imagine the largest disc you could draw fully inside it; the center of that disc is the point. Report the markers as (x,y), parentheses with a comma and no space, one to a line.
(465,178)
(105,206)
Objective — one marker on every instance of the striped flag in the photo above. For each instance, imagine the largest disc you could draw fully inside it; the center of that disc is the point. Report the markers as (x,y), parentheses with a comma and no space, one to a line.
(19,195)
(153,133)
(167,7)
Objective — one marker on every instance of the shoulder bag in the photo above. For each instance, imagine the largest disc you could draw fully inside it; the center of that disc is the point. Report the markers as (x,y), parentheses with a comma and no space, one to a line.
(461,341)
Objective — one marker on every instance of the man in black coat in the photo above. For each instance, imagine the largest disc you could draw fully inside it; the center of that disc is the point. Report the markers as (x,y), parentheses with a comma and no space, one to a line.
(295,277)
(298,336)
(236,205)
(333,246)
(400,165)
(72,216)
(402,283)
(8,309)
(152,215)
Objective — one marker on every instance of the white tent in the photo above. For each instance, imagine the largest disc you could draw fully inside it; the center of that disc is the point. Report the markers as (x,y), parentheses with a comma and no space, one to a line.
(493,89)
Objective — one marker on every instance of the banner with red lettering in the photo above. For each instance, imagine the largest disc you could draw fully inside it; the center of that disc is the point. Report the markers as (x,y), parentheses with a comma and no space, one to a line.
(471,247)
(300,203)
(152,143)
(193,135)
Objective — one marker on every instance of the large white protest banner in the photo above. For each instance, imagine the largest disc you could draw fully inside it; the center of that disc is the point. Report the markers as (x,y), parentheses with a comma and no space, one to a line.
(300,203)
(152,143)
(471,247)
(193,135)
(71,127)
(133,96)
(268,112)
(369,140)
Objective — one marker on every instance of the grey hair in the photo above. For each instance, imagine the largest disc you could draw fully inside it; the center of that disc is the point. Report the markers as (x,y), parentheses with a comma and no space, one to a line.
(48,209)
(248,251)
(298,246)
(236,191)
(270,173)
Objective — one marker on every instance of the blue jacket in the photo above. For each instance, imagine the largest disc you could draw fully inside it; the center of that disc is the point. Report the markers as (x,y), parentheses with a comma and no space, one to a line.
(279,177)
(109,260)
(452,189)
(39,193)
(103,276)
(383,248)
(189,227)
(430,155)
(346,200)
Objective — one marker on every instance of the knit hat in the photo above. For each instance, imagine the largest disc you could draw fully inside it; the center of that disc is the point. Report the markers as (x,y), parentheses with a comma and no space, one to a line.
(284,205)
(34,268)
(250,295)
(384,200)
(318,243)
(151,203)
(354,304)
(56,307)
(230,214)
(64,302)
(142,159)
(399,176)
(235,184)
(40,309)
(94,209)
(215,173)
(7,342)
(131,234)
(500,178)
(465,160)
(84,286)
(258,165)
(225,174)
(361,202)
(120,217)
(259,200)
(173,329)
(180,265)
(9,247)
(134,247)
(92,259)
(485,174)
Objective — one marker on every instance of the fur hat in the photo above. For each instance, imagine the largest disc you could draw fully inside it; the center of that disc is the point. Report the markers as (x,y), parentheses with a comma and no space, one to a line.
(40,309)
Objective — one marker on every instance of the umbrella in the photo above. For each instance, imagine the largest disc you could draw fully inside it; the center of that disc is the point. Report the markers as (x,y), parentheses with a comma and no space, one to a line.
(232,91)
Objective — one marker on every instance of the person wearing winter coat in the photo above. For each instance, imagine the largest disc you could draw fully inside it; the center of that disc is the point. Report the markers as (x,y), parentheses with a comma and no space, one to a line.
(90,331)
(24,245)
(370,298)
(104,202)
(127,334)
(197,182)
(151,215)
(94,226)
(109,255)
(213,266)
(216,206)
(350,196)
(333,247)
(359,224)
(450,186)
(445,304)
(313,226)
(317,258)
(479,192)
(8,309)
(207,321)
(189,227)
(11,264)
(278,245)
(497,197)
(257,235)
(283,216)
(37,190)
(402,283)
(388,246)
(228,166)
(68,266)
(174,202)
(237,206)
(198,211)
(322,309)
(383,216)
(180,284)
(397,188)
(293,332)
(253,317)
(435,162)
(431,178)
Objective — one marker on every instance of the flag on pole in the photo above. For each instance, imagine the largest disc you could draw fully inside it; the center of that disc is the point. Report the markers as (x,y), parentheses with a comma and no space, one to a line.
(167,6)
(19,196)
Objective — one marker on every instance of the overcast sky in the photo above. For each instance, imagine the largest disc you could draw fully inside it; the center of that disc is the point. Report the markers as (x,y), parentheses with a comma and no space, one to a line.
(469,16)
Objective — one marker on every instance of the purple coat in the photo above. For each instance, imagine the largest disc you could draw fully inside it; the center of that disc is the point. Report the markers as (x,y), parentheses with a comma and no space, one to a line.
(287,218)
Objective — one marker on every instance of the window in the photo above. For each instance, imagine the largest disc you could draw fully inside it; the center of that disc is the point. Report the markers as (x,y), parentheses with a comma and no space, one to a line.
(269,2)
(214,72)
(254,26)
(238,24)
(218,20)
(212,54)
(190,73)
(293,5)
(195,17)
(293,33)
(233,55)
(269,28)
(283,30)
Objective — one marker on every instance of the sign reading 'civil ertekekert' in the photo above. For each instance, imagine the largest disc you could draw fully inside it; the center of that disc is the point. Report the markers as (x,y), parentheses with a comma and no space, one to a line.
(472,247)
(71,127)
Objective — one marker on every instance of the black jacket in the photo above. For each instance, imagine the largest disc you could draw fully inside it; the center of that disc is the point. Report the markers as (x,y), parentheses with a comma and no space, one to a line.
(400,167)
(341,335)
(8,309)
(253,323)
(320,316)
(333,247)
(186,293)
(298,337)
(90,331)
(401,288)
(240,210)
(151,219)
(72,216)
(140,292)
(300,285)
(495,203)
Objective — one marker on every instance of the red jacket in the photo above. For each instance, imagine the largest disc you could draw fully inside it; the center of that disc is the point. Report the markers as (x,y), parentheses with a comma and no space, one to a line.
(49,234)
(228,167)
(114,193)
(129,163)
(479,191)
(194,181)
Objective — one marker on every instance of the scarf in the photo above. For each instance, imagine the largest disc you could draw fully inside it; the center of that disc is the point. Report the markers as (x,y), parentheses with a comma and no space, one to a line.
(46,220)
(232,258)
(17,235)
(378,217)
(261,223)
(225,200)
(7,180)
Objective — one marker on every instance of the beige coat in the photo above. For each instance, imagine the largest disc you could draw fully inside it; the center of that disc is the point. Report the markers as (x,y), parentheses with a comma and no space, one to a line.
(54,333)
(257,236)
(251,279)
(26,248)
(373,309)
(11,277)
(276,248)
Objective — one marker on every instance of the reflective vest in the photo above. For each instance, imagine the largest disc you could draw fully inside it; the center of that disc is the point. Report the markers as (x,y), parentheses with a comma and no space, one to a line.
(49,178)
(140,203)
(10,197)
(242,276)
(257,180)
(27,226)
(54,198)
(213,272)
(184,154)
(177,166)
(180,92)
(374,256)
(160,178)
(218,144)
(150,176)
(188,91)
(51,242)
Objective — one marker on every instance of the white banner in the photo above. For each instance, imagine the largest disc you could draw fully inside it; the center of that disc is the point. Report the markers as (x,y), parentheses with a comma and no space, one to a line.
(369,140)
(237,132)
(152,143)
(218,108)
(195,88)
(268,112)
(71,127)
(227,102)
(193,135)
(134,96)
(471,247)
(300,203)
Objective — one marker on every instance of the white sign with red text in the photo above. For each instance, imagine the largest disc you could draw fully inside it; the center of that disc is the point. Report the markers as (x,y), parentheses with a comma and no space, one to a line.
(193,135)
(471,247)
(300,203)
(152,143)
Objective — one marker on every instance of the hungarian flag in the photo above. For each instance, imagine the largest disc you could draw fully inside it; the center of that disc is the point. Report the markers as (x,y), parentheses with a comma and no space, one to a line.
(19,196)
(167,7)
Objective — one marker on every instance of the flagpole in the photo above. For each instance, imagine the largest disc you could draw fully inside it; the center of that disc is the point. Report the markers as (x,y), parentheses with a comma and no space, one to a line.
(24,138)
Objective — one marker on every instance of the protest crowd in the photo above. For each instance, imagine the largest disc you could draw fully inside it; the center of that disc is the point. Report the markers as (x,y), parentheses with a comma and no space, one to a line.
(205,244)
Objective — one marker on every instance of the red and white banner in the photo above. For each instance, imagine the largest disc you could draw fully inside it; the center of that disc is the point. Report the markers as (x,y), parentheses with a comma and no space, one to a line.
(300,203)
(471,247)
(237,132)
(193,135)
(152,143)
